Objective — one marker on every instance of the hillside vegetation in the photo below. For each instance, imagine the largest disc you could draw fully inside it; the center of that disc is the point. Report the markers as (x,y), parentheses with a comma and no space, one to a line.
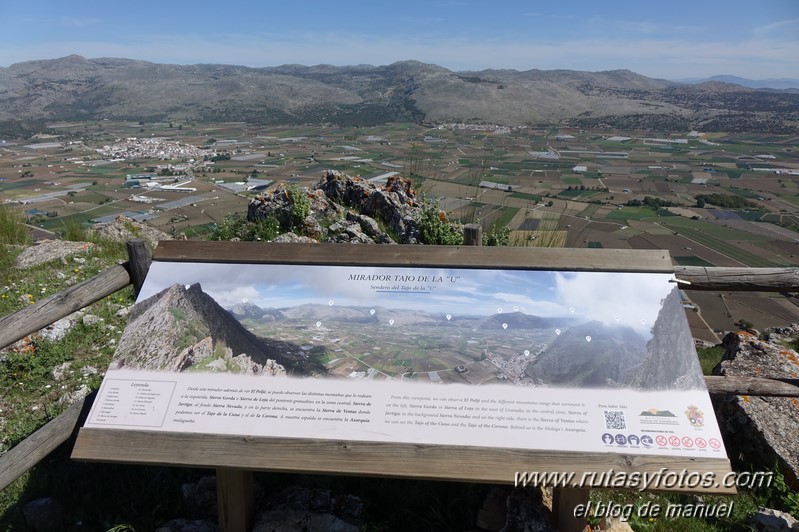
(75,88)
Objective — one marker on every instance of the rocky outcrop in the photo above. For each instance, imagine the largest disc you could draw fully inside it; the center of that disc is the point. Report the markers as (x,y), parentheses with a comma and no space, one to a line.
(345,209)
(182,328)
(761,428)
(122,229)
(671,362)
(49,250)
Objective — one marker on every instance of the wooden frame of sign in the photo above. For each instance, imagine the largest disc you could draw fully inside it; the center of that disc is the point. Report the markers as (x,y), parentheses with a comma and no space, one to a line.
(235,456)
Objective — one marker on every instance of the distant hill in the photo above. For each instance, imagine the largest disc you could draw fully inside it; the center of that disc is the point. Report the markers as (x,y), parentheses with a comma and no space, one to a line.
(771,83)
(590,355)
(72,88)
(517,320)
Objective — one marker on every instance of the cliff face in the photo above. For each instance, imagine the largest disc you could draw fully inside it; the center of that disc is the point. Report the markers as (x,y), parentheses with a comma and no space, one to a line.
(182,328)
(590,355)
(671,362)
(761,428)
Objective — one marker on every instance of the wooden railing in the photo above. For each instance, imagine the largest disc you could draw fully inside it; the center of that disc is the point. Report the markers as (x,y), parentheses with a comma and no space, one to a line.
(37,446)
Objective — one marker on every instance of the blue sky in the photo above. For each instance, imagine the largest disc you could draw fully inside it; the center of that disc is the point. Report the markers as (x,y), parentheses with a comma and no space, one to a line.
(674,39)
(609,297)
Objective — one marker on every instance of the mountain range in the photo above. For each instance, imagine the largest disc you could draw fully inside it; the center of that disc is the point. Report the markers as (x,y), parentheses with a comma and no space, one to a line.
(182,328)
(76,88)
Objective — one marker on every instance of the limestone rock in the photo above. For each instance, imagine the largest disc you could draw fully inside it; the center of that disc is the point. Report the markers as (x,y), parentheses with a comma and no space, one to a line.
(273,369)
(91,319)
(291,237)
(347,209)
(761,428)
(768,520)
(122,229)
(49,250)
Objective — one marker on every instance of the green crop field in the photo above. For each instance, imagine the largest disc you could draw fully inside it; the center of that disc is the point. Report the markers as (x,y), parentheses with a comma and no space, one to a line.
(507,215)
(713,230)
(722,246)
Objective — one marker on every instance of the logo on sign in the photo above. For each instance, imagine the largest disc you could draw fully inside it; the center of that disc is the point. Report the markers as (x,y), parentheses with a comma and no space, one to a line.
(695,416)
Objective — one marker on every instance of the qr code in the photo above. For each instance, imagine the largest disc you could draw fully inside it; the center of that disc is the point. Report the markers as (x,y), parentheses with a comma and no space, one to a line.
(614,419)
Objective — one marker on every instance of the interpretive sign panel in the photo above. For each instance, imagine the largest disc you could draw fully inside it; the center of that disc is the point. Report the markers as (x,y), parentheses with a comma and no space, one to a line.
(575,361)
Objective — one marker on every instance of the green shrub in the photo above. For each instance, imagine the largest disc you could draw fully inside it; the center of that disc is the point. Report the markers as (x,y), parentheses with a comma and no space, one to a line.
(497,236)
(300,205)
(434,228)
(234,226)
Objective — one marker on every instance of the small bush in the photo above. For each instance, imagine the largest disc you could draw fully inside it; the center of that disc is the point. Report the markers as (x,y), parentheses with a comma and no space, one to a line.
(300,205)
(497,236)
(234,226)
(434,228)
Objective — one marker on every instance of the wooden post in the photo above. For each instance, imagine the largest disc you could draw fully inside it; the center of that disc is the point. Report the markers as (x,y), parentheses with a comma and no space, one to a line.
(139,258)
(564,502)
(472,235)
(759,386)
(738,279)
(234,497)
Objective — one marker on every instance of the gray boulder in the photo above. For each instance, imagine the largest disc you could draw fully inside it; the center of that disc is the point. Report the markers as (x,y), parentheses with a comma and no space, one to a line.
(761,428)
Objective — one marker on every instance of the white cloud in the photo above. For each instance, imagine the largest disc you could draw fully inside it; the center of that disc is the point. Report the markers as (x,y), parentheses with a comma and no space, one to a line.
(631,299)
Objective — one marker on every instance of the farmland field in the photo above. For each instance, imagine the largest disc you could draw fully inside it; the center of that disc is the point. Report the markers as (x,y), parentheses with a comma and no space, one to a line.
(447,164)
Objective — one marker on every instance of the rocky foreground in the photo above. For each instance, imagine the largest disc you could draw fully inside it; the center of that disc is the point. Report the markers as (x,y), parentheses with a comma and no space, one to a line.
(761,431)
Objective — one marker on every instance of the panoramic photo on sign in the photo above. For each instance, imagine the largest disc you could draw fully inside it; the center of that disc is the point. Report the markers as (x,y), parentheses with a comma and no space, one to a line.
(530,359)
